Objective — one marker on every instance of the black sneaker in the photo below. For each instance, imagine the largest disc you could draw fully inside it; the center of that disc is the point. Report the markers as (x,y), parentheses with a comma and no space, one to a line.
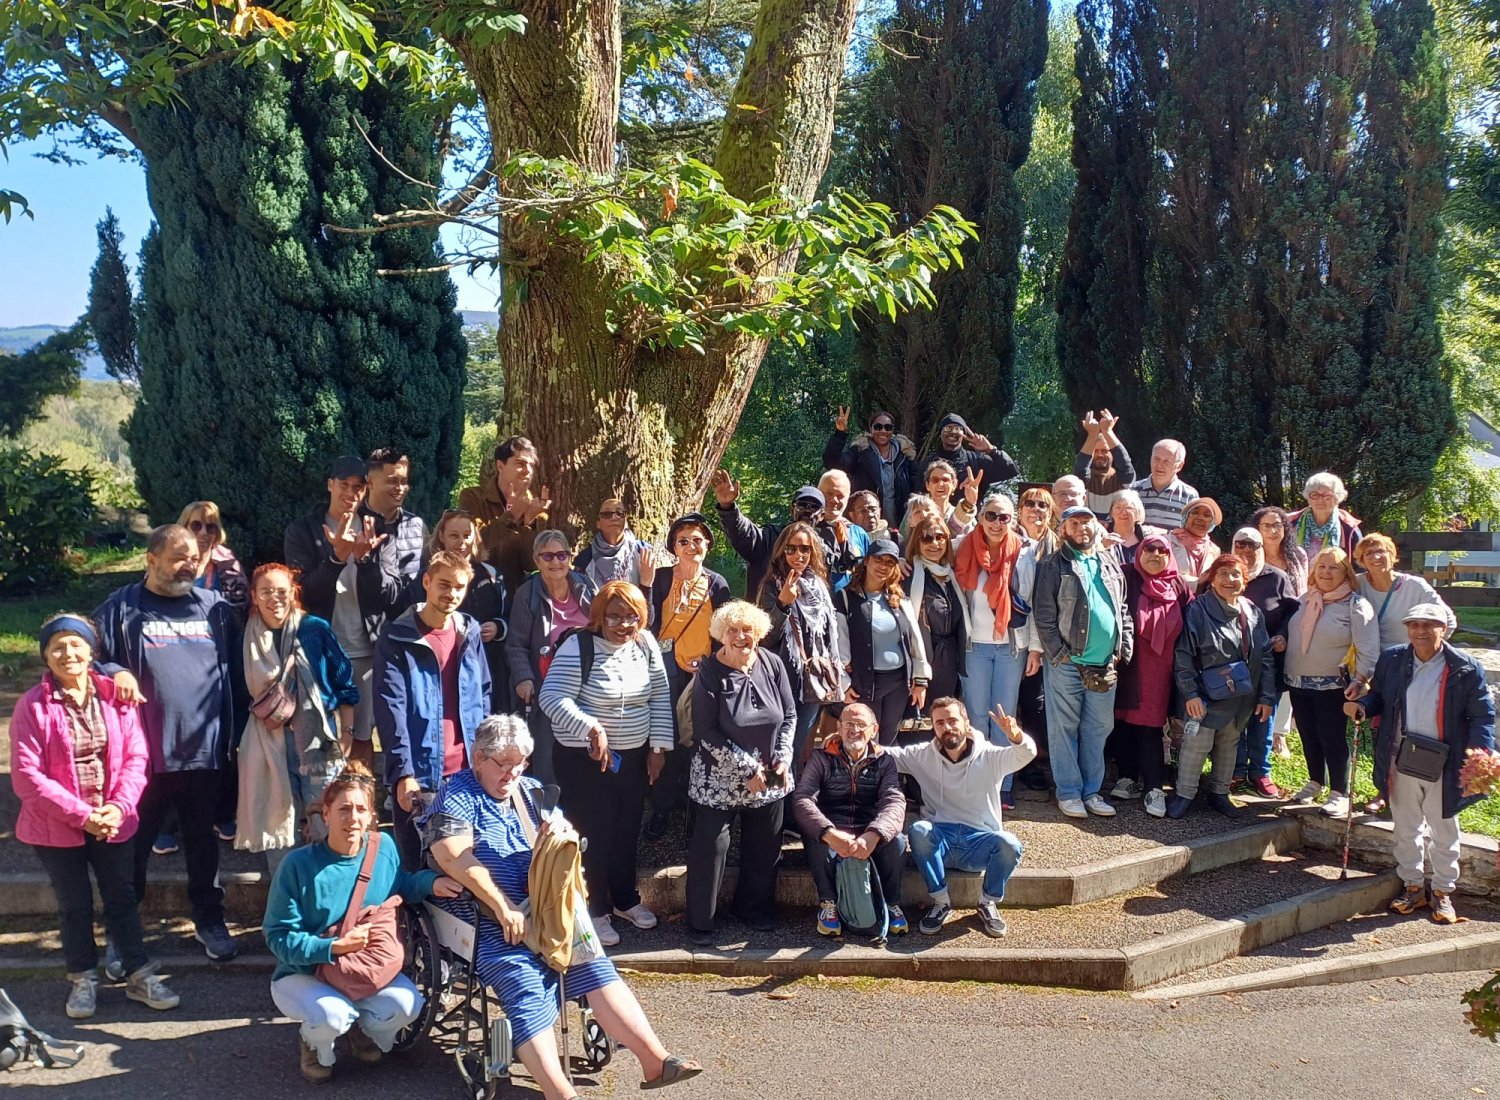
(936,917)
(217,943)
(990,920)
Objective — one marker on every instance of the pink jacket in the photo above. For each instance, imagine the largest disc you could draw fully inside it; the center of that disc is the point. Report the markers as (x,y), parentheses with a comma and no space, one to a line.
(42,773)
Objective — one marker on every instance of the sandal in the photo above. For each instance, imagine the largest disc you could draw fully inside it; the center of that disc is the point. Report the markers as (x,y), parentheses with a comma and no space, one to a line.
(673,1070)
(1375,806)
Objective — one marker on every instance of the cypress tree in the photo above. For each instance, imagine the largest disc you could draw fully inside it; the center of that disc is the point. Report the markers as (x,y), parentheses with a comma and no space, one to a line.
(269,343)
(111,312)
(952,124)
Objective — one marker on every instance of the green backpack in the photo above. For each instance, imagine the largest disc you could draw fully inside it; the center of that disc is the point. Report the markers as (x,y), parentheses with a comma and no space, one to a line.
(862,908)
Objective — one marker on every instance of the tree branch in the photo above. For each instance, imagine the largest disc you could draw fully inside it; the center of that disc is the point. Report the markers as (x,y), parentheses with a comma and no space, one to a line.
(471,191)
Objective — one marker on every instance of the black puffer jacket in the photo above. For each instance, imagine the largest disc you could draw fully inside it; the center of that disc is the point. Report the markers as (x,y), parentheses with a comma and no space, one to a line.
(1212,636)
(834,792)
(860,461)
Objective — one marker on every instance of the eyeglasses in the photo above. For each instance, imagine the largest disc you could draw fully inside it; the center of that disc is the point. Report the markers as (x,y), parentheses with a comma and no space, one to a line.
(806,506)
(273,593)
(1246,544)
(997,517)
(1042,504)
(554,555)
(1272,526)
(883,426)
(933,537)
(692,540)
(621,620)
(798,548)
(198,526)
(505,766)
(614,513)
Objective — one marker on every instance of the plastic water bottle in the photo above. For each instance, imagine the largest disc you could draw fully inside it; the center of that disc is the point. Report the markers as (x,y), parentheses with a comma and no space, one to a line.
(1190,728)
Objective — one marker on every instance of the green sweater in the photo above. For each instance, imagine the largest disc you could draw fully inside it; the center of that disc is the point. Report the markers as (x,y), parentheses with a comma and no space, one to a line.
(311,892)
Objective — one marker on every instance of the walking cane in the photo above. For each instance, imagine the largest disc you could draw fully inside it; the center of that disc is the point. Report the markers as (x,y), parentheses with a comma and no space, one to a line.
(1349,812)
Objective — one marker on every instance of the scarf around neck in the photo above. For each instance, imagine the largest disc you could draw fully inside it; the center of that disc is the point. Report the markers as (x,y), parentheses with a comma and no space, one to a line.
(975,557)
(611,563)
(1313,602)
(920,568)
(1158,615)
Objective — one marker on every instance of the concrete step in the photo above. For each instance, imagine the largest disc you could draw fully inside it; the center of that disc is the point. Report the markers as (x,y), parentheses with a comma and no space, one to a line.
(28,893)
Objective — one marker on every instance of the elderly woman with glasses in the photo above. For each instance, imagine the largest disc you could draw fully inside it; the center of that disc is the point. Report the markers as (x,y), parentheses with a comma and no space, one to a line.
(552,601)
(477,836)
(1324,522)
(610,704)
(218,569)
(743,720)
(1127,524)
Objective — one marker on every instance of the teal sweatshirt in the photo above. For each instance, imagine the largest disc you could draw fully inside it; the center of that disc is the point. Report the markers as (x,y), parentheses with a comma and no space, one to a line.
(311,893)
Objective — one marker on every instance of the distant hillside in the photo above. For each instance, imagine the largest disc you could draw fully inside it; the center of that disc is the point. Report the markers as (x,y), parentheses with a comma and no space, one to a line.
(16,340)
(472,318)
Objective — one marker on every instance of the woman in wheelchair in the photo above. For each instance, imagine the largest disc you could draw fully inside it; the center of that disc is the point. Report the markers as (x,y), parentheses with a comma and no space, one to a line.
(477,838)
(309,896)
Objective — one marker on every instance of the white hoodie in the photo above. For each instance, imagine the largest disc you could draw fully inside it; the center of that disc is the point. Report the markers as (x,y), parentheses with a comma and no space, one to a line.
(967,791)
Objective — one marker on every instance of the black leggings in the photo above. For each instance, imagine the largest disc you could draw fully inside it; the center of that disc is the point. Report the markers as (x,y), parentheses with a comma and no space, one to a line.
(1138,750)
(1321,724)
(892,693)
(605,807)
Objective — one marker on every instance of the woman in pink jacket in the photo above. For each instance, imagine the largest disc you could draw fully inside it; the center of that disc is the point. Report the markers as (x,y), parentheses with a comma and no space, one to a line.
(78,764)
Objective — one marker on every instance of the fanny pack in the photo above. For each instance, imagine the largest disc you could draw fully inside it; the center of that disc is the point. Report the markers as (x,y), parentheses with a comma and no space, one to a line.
(1231,681)
(1099,678)
(1422,757)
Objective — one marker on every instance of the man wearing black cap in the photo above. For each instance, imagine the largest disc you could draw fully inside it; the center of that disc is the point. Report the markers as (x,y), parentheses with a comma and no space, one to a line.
(335,551)
(967,450)
(753,542)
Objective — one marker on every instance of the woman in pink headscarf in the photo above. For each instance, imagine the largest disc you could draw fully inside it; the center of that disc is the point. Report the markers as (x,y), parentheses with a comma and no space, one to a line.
(1192,548)
(1143,696)
(1332,643)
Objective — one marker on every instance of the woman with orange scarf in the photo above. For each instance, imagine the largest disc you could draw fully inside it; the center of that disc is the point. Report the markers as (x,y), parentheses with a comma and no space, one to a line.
(985,561)
(1335,633)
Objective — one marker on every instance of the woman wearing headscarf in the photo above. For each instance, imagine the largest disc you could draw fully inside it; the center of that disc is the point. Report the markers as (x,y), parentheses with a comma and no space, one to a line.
(1192,548)
(1158,599)
(1333,620)
(942,612)
(1324,522)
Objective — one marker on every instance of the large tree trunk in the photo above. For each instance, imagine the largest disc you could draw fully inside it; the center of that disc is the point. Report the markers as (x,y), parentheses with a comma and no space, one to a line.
(610,416)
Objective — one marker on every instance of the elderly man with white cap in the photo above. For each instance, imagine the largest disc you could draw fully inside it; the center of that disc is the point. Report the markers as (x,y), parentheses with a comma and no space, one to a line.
(1434,707)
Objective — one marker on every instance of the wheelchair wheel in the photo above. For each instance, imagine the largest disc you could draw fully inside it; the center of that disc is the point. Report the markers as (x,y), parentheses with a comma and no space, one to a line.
(471,1069)
(598,1048)
(423,967)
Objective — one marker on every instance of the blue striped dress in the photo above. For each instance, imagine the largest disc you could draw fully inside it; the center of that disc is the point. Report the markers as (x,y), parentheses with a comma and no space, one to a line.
(525,986)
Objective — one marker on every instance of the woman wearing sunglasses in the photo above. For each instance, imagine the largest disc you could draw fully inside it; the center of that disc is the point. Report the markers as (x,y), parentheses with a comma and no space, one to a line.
(218,569)
(549,603)
(942,611)
(881,461)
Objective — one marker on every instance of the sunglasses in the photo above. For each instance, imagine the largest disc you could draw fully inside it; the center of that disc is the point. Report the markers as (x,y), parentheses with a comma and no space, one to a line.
(615,514)
(554,555)
(1042,504)
(1246,544)
(882,427)
(933,537)
(197,527)
(692,540)
(806,506)
(997,517)
(798,549)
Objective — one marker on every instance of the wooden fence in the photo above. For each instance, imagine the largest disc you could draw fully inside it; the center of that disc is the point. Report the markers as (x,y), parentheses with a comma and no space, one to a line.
(1442,577)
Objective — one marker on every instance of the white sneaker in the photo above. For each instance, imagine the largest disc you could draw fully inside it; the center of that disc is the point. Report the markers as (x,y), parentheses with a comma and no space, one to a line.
(1072,807)
(144,986)
(1337,805)
(604,928)
(1308,793)
(638,915)
(83,997)
(1156,802)
(1096,805)
(1127,788)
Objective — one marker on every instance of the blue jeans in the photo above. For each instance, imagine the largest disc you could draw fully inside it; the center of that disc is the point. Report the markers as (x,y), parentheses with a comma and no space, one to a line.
(939,845)
(1254,755)
(992,678)
(807,718)
(1078,722)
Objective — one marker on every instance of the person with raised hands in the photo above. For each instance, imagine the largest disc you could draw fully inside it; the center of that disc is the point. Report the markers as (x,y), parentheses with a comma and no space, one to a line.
(510,508)
(1103,462)
(965,449)
(882,461)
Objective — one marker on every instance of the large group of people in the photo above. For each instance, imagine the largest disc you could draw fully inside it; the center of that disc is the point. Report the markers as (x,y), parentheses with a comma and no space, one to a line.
(914,638)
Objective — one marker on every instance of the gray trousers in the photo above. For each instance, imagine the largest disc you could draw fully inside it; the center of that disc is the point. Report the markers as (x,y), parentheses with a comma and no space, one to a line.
(1216,745)
(1419,828)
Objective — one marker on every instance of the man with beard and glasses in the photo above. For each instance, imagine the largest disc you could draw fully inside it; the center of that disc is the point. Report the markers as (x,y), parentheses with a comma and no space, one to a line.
(175,650)
(960,827)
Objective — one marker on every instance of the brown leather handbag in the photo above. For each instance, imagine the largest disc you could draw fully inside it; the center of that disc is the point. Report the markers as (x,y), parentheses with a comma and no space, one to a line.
(361,974)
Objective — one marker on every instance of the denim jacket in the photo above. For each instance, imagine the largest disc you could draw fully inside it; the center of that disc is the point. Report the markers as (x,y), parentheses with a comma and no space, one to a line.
(1060,607)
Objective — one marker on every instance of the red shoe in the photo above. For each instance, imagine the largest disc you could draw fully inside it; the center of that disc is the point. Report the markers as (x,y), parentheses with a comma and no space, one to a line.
(1263,786)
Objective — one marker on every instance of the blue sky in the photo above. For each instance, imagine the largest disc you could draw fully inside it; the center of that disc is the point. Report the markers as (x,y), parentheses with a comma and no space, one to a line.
(45,261)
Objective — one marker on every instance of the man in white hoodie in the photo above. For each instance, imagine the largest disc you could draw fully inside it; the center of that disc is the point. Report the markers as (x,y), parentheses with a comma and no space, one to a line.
(960,826)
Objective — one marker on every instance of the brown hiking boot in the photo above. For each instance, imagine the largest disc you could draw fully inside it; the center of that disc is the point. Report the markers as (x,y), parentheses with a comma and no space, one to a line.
(1442,909)
(312,1069)
(1412,899)
(361,1046)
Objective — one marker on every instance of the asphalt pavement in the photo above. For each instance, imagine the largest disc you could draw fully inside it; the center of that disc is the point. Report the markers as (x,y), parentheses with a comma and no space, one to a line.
(857,1039)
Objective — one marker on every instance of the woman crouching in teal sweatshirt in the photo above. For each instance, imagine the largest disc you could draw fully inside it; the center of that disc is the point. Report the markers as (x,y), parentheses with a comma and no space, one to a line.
(308,898)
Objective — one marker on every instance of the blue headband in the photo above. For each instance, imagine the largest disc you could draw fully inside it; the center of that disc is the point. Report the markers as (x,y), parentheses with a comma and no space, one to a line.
(68,624)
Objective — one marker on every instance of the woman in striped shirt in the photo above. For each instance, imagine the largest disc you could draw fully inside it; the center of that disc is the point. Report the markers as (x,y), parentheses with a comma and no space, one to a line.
(607,696)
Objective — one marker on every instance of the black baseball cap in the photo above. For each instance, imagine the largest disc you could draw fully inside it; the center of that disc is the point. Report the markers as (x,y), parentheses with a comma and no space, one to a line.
(349,466)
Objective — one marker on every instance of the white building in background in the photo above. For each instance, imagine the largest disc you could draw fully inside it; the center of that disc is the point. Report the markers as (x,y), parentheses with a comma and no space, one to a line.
(1484,449)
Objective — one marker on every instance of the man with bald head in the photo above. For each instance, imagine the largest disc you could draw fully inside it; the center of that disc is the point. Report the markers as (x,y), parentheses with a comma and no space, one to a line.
(849,805)
(615,553)
(175,649)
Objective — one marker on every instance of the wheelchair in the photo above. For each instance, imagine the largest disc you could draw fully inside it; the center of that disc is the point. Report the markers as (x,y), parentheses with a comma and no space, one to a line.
(460,1013)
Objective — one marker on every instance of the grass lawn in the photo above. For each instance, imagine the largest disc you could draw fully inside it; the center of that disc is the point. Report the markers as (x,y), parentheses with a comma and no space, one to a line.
(102,573)
(1482,817)
(1479,618)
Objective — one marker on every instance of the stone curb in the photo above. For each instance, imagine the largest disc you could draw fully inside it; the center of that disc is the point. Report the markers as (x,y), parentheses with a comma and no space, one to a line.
(27,893)
(1372,842)
(1480,951)
(1127,968)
